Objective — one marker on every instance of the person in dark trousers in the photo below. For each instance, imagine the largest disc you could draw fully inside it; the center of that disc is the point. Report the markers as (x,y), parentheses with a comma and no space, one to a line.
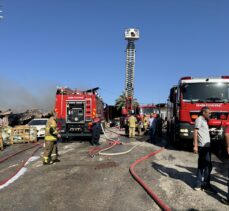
(226,201)
(139,126)
(202,147)
(96,131)
(159,125)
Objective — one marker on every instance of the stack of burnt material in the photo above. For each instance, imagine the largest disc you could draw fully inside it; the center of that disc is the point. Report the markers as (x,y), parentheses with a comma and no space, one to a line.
(4,118)
(26,117)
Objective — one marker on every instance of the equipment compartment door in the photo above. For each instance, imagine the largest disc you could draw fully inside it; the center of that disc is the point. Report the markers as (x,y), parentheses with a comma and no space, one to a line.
(76,112)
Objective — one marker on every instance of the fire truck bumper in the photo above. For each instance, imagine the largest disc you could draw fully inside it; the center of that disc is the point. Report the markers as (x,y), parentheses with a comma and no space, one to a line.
(72,135)
(186,131)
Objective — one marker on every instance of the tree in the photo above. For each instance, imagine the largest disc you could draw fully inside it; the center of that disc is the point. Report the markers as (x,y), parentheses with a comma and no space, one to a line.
(120,102)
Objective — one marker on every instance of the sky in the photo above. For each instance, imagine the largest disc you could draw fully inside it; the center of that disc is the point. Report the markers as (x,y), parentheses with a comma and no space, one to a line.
(80,44)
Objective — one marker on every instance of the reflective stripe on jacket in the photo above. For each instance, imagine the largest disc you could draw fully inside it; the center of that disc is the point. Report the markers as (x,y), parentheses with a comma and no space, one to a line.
(51,131)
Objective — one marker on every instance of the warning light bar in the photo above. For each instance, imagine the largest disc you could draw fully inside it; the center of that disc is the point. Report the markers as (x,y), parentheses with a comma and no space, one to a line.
(186,78)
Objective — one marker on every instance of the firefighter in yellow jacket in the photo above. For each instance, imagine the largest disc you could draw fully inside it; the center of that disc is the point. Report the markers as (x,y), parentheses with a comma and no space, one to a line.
(51,136)
(132,125)
(145,123)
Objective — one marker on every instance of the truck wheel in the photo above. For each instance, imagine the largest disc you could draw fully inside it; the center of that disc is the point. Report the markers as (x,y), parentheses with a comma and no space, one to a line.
(176,142)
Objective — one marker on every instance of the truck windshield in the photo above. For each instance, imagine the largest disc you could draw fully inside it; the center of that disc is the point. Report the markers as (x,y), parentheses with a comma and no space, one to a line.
(205,92)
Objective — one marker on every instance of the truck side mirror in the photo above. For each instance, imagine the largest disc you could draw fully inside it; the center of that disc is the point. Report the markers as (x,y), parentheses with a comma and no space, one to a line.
(172,96)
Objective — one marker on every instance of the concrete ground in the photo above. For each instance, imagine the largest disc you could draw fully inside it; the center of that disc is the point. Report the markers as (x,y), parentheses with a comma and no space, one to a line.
(80,182)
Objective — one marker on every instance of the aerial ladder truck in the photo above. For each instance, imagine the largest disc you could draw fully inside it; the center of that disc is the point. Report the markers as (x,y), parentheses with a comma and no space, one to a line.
(131,35)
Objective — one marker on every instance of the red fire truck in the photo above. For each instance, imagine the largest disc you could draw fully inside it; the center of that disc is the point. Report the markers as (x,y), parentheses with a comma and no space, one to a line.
(76,110)
(147,110)
(186,100)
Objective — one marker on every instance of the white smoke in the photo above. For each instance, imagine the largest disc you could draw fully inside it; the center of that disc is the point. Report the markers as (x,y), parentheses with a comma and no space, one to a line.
(18,98)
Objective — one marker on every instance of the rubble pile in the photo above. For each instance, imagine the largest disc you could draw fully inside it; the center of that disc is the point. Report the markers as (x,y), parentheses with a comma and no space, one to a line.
(13,119)
(24,118)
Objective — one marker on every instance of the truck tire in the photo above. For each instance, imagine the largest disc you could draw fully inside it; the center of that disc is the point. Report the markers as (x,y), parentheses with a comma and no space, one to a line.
(176,141)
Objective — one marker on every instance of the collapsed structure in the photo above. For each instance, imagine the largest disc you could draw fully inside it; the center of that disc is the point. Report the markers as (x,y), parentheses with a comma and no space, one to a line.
(13,119)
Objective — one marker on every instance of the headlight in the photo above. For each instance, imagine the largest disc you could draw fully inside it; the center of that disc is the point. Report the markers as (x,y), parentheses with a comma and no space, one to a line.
(42,130)
(183,130)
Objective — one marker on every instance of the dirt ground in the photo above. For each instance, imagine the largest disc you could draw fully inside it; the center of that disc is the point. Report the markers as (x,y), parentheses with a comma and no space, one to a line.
(104,183)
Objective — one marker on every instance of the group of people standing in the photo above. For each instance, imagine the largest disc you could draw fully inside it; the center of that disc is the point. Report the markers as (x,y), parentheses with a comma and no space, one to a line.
(154,124)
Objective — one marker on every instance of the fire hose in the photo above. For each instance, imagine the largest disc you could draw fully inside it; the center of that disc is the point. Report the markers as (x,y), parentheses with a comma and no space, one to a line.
(153,195)
(14,154)
(112,143)
(22,165)
(101,152)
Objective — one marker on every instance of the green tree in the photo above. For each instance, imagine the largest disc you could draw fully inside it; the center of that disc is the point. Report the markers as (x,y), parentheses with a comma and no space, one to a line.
(120,102)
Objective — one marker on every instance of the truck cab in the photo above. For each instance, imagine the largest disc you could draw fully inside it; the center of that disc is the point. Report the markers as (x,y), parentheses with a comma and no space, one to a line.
(186,100)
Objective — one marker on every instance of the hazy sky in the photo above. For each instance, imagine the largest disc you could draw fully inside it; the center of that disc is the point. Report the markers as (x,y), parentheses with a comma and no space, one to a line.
(80,43)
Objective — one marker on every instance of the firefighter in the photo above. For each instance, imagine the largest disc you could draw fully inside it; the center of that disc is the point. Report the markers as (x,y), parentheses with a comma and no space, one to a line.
(51,136)
(145,123)
(96,131)
(132,125)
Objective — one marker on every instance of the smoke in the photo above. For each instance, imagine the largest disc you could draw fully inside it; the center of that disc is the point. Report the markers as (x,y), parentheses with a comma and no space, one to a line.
(18,98)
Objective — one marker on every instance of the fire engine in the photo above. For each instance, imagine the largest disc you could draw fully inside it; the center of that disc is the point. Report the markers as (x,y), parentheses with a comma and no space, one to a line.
(147,110)
(76,110)
(186,100)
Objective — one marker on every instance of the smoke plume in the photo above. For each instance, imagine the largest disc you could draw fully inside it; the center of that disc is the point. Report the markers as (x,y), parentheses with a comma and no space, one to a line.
(18,98)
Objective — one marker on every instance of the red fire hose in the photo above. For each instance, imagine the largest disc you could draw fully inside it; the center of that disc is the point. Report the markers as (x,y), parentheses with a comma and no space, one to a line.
(14,154)
(22,165)
(160,203)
